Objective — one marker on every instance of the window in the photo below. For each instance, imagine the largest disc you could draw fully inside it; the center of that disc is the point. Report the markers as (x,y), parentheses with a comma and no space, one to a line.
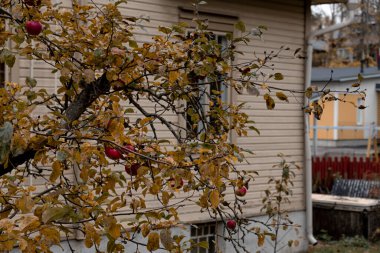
(211,91)
(204,232)
(359,113)
(212,96)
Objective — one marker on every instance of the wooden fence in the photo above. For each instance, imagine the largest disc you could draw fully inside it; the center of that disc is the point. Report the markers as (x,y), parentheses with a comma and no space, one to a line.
(326,169)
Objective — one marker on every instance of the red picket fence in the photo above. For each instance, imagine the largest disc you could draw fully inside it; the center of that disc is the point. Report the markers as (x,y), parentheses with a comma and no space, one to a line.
(326,169)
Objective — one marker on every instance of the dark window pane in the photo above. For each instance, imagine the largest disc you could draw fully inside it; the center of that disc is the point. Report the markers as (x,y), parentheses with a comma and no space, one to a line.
(212,229)
(193,232)
(205,230)
(211,245)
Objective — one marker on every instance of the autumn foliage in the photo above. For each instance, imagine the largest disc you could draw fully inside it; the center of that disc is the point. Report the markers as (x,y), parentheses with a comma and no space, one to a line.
(80,141)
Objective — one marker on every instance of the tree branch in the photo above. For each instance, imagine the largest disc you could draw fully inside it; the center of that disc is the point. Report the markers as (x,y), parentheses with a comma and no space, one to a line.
(85,98)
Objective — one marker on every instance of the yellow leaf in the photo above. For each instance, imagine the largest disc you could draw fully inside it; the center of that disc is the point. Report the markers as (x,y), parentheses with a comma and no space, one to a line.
(214,199)
(114,230)
(173,76)
(6,225)
(165,198)
(51,235)
(56,171)
(92,236)
(23,243)
(25,203)
(145,229)
(29,222)
(260,240)
(153,242)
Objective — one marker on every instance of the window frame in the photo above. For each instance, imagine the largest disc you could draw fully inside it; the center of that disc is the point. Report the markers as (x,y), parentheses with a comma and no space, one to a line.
(203,99)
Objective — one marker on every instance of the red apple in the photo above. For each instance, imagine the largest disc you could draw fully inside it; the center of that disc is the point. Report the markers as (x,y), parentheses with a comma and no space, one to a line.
(132,169)
(231,224)
(129,147)
(241,191)
(173,183)
(33,27)
(32,2)
(112,153)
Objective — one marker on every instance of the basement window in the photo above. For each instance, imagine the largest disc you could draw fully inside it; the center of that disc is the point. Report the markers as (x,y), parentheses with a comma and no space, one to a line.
(204,233)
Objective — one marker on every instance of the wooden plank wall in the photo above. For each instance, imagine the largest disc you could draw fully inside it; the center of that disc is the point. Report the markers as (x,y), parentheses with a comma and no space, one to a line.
(282,128)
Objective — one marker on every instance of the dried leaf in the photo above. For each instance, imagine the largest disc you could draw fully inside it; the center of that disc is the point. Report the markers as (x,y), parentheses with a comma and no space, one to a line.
(153,241)
(282,96)
(252,90)
(55,213)
(214,199)
(309,92)
(166,239)
(260,240)
(28,223)
(57,168)
(25,203)
(114,230)
(269,102)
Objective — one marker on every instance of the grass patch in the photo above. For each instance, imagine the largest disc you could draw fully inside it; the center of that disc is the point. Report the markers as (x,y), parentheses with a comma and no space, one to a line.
(355,244)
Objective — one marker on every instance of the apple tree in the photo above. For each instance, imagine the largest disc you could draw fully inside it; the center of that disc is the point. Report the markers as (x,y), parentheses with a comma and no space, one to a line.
(95,146)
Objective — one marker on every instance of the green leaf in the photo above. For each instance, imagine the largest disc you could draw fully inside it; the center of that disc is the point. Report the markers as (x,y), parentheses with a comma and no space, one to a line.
(55,213)
(254,129)
(31,82)
(133,44)
(165,30)
(129,110)
(360,77)
(7,57)
(240,26)
(203,244)
(278,76)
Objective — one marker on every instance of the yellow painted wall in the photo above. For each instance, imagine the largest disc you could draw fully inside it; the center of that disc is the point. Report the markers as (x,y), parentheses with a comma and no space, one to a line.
(327,119)
(347,117)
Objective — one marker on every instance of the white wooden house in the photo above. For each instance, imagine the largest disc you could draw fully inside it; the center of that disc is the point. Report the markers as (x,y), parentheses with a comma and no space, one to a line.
(282,129)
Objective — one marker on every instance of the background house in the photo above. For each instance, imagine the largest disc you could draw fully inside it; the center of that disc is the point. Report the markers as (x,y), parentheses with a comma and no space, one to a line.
(337,114)
(282,130)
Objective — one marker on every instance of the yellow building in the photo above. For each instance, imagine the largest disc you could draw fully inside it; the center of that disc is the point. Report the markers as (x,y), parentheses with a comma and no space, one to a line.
(342,121)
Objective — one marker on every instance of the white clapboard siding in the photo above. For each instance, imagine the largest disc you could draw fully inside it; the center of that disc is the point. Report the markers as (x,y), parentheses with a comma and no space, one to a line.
(281,129)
